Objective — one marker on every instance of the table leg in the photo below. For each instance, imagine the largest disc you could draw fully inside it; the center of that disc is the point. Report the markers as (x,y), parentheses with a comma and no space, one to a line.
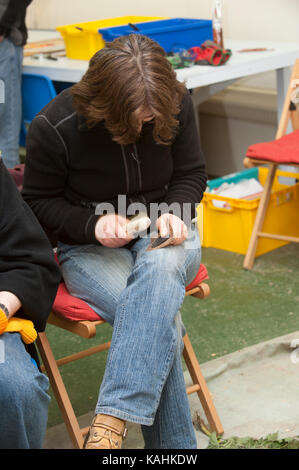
(201,94)
(283,77)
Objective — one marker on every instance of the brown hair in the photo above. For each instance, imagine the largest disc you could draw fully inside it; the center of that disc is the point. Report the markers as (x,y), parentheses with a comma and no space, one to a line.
(130,73)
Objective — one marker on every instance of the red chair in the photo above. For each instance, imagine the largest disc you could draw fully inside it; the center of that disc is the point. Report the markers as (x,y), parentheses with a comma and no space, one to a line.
(284,150)
(74,315)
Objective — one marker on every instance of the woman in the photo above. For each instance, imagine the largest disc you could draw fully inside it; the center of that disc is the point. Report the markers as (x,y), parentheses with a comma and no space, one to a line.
(27,266)
(126,129)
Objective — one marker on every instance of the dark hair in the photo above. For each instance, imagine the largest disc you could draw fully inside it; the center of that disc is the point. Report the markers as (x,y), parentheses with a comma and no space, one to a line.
(131,72)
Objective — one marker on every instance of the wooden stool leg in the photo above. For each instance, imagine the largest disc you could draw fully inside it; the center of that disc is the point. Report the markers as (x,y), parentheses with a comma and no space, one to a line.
(259,219)
(59,391)
(203,391)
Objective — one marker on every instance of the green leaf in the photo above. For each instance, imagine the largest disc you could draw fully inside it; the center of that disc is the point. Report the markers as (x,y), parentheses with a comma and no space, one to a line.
(213,440)
(272,437)
(271,441)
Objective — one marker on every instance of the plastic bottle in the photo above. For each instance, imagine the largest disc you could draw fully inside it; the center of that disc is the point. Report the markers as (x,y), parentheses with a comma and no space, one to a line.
(217,23)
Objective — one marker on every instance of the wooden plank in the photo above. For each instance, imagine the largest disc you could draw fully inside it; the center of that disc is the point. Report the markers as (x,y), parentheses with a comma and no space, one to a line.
(260,217)
(203,391)
(59,391)
(279,237)
(82,354)
(44,47)
(85,329)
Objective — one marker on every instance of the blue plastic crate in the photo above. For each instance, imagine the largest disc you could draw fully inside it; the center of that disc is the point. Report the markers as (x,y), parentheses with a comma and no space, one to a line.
(172,34)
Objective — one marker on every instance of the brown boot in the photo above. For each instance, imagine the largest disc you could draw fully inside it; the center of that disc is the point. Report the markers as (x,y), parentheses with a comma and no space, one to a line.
(106,432)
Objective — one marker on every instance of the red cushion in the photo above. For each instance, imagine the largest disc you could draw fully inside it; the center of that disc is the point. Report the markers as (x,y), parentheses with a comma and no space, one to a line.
(71,307)
(283,150)
(201,276)
(75,309)
(18,175)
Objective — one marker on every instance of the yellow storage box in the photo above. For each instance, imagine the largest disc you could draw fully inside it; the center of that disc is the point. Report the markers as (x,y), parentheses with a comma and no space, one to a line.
(230,228)
(83,40)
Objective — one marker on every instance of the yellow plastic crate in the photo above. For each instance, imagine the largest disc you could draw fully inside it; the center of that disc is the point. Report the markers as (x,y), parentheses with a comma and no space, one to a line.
(230,228)
(82,40)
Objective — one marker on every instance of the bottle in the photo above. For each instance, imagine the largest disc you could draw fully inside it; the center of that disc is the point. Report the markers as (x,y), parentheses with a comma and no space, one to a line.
(217,23)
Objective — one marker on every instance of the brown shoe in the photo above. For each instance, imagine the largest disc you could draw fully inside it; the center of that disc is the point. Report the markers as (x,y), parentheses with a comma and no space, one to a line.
(106,432)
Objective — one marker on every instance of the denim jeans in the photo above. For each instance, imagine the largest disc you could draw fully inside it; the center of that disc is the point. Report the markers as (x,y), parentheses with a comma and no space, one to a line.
(23,397)
(11,57)
(140,293)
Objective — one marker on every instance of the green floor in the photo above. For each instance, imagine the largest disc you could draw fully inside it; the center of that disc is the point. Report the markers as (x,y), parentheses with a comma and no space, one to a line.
(245,308)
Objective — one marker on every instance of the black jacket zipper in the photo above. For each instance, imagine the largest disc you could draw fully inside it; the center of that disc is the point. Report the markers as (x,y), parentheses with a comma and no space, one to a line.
(135,156)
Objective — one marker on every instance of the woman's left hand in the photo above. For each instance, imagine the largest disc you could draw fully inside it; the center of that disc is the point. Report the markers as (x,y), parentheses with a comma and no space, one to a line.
(171,225)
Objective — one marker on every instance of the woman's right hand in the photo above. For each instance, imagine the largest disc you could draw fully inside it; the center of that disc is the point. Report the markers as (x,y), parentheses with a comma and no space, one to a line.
(110,231)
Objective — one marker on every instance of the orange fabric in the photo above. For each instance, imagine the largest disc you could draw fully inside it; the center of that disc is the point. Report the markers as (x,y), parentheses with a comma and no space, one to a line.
(24,327)
(283,150)
(3,321)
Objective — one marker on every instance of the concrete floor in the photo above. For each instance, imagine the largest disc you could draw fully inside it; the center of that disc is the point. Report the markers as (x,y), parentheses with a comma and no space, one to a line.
(255,392)
(58,438)
(244,309)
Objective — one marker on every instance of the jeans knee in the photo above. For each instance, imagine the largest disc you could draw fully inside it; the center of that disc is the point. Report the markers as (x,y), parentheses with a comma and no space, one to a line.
(13,389)
(11,394)
(21,390)
(164,262)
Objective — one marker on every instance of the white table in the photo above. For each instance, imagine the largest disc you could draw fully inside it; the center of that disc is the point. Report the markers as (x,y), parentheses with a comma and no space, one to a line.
(207,80)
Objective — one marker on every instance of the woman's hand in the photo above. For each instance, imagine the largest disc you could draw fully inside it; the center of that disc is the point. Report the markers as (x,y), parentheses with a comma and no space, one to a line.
(171,225)
(111,231)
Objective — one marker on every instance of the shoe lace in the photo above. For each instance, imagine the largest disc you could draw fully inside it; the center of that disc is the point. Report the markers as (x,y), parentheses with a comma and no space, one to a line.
(111,441)
(107,436)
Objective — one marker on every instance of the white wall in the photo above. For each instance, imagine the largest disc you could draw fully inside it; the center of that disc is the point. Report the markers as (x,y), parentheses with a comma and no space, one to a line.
(243,19)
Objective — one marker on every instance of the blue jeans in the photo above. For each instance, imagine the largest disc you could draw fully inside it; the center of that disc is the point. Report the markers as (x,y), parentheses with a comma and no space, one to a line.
(140,294)
(11,57)
(23,397)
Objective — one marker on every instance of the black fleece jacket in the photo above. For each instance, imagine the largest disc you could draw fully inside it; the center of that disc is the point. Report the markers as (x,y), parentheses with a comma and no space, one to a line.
(27,265)
(70,168)
(12,20)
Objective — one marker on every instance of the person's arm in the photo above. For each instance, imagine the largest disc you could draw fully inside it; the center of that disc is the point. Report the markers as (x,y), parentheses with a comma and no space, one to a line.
(188,181)
(29,274)
(45,178)
(10,16)
(10,303)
